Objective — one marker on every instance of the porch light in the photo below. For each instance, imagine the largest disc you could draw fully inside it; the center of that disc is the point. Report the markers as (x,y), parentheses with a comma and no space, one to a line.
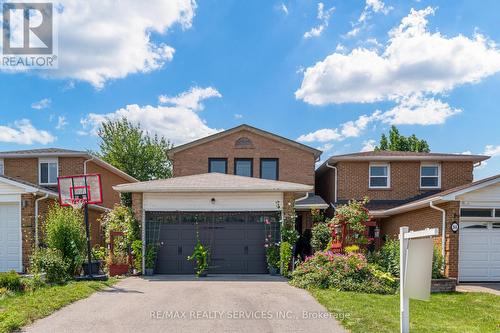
(212,201)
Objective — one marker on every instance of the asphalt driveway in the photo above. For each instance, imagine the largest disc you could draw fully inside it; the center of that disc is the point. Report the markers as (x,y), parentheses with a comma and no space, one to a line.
(245,303)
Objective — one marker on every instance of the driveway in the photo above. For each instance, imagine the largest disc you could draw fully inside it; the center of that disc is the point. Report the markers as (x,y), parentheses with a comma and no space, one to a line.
(492,288)
(244,303)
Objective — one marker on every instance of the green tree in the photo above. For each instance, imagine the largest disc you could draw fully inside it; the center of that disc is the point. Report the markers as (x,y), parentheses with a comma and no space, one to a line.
(129,148)
(398,142)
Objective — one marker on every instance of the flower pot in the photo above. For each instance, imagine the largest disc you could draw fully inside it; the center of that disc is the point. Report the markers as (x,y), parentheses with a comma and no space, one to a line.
(149,271)
(118,269)
(273,271)
(95,266)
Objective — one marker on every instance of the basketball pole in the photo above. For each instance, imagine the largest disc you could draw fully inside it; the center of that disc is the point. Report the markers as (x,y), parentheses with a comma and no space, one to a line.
(87,229)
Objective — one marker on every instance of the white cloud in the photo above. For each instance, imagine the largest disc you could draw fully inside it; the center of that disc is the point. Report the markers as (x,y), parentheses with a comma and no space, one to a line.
(371,6)
(326,147)
(368,145)
(492,150)
(284,8)
(23,132)
(346,130)
(238,116)
(61,122)
(41,104)
(323,16)
(413,61)
(179,121)
(417,110)
(106,40)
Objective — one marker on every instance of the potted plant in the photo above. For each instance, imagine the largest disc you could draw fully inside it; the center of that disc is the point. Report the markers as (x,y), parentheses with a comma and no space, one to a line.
(150,259)
(117,264)
(273,258)
(200,254)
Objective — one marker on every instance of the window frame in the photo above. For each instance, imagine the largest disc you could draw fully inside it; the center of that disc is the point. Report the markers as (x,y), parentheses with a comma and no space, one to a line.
(237,159)
(266,159)
(47,161)
(210,159)
(388,176)
(438,165)
(2,167)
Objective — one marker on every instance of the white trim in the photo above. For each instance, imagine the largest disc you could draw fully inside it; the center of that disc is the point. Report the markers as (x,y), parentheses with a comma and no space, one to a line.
(20,234)
(48,161)
(2,167)
(26,188)
(438,165)
(388,176)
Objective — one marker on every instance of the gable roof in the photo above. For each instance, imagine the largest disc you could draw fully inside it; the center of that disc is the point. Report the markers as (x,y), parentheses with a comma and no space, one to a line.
(386,156)
(59,152)
(317,153)
(447,195)
(212,182)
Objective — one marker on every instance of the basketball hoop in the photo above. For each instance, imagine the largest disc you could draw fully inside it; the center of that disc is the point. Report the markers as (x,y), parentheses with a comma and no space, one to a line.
(77,204)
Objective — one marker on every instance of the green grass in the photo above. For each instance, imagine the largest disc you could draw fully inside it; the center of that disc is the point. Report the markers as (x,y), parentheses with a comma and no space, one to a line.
(22,309)
(447,312)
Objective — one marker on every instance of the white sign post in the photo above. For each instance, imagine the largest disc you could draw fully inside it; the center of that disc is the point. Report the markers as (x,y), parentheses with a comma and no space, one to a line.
(415,269)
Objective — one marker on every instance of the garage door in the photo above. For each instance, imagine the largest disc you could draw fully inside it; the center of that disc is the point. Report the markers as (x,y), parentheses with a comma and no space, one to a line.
(479,251)
(10,237)
(236,240)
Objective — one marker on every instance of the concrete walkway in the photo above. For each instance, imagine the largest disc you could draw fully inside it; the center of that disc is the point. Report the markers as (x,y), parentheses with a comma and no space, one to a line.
(492,288)
(244,303)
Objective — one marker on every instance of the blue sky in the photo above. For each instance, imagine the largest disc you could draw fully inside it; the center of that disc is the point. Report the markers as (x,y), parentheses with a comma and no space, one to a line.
(331,74)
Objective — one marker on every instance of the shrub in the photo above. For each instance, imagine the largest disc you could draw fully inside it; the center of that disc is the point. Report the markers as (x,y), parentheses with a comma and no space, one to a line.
(273,256)
(137,253)
(65,233)
(99,253)
(321,235)
(50,262)
(122,219)
(387,259)
(285,257)
(30,284)
(349,272)
(10,281)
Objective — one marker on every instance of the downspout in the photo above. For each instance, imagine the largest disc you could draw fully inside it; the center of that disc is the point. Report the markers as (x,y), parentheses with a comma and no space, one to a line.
(334,181)
(85,164)
(443,228)
(36,217)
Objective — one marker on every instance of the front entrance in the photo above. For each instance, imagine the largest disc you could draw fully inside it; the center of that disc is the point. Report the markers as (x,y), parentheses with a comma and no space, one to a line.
(479,251)
(236,240)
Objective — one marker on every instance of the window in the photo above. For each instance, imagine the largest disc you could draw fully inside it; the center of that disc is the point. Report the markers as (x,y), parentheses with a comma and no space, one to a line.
(2,168)
(476,212)
(430,176)
(269,168)
(480,225)
(48,171)
(217,165)
(379,176)
(497,212)
(243,167)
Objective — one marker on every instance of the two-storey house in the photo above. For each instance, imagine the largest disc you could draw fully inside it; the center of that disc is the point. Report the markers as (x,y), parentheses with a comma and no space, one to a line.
(28,186)
(226,189)
(424,190)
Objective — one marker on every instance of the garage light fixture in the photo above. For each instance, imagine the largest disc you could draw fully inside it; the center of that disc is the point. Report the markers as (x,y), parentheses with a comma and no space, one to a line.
(212,201)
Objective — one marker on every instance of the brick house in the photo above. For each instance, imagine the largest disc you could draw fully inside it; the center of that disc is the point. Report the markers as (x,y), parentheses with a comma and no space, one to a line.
(226,188)
(424,190)
(28,186)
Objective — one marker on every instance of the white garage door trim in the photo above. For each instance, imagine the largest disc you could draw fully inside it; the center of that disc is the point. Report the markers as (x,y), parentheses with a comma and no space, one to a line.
(20,254)
(220,201)
(479,251)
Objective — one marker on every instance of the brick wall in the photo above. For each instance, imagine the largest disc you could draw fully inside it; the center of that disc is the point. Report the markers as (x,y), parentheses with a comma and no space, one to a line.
(137,206)
(429,218)
(404,180)
(295,165)
(22,168)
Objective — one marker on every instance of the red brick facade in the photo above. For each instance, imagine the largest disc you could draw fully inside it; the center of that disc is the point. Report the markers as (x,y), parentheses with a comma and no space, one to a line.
(429,218)
(295,164)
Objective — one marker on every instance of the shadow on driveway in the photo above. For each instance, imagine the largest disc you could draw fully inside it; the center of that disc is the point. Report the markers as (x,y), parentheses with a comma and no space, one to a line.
(216,277)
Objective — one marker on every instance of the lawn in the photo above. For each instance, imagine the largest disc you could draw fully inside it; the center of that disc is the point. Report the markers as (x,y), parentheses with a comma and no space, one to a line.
(21,309)
(447,312)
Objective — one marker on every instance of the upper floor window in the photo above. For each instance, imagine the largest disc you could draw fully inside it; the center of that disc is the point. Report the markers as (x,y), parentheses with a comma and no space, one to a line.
(48,171)
(380,175)
(2,168)
(430,176)
(269,168)
(217,165)
(243,167)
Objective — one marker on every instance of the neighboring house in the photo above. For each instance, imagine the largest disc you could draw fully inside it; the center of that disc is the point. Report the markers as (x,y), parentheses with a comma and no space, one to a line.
(226,187)
(28,186)
(424,190)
